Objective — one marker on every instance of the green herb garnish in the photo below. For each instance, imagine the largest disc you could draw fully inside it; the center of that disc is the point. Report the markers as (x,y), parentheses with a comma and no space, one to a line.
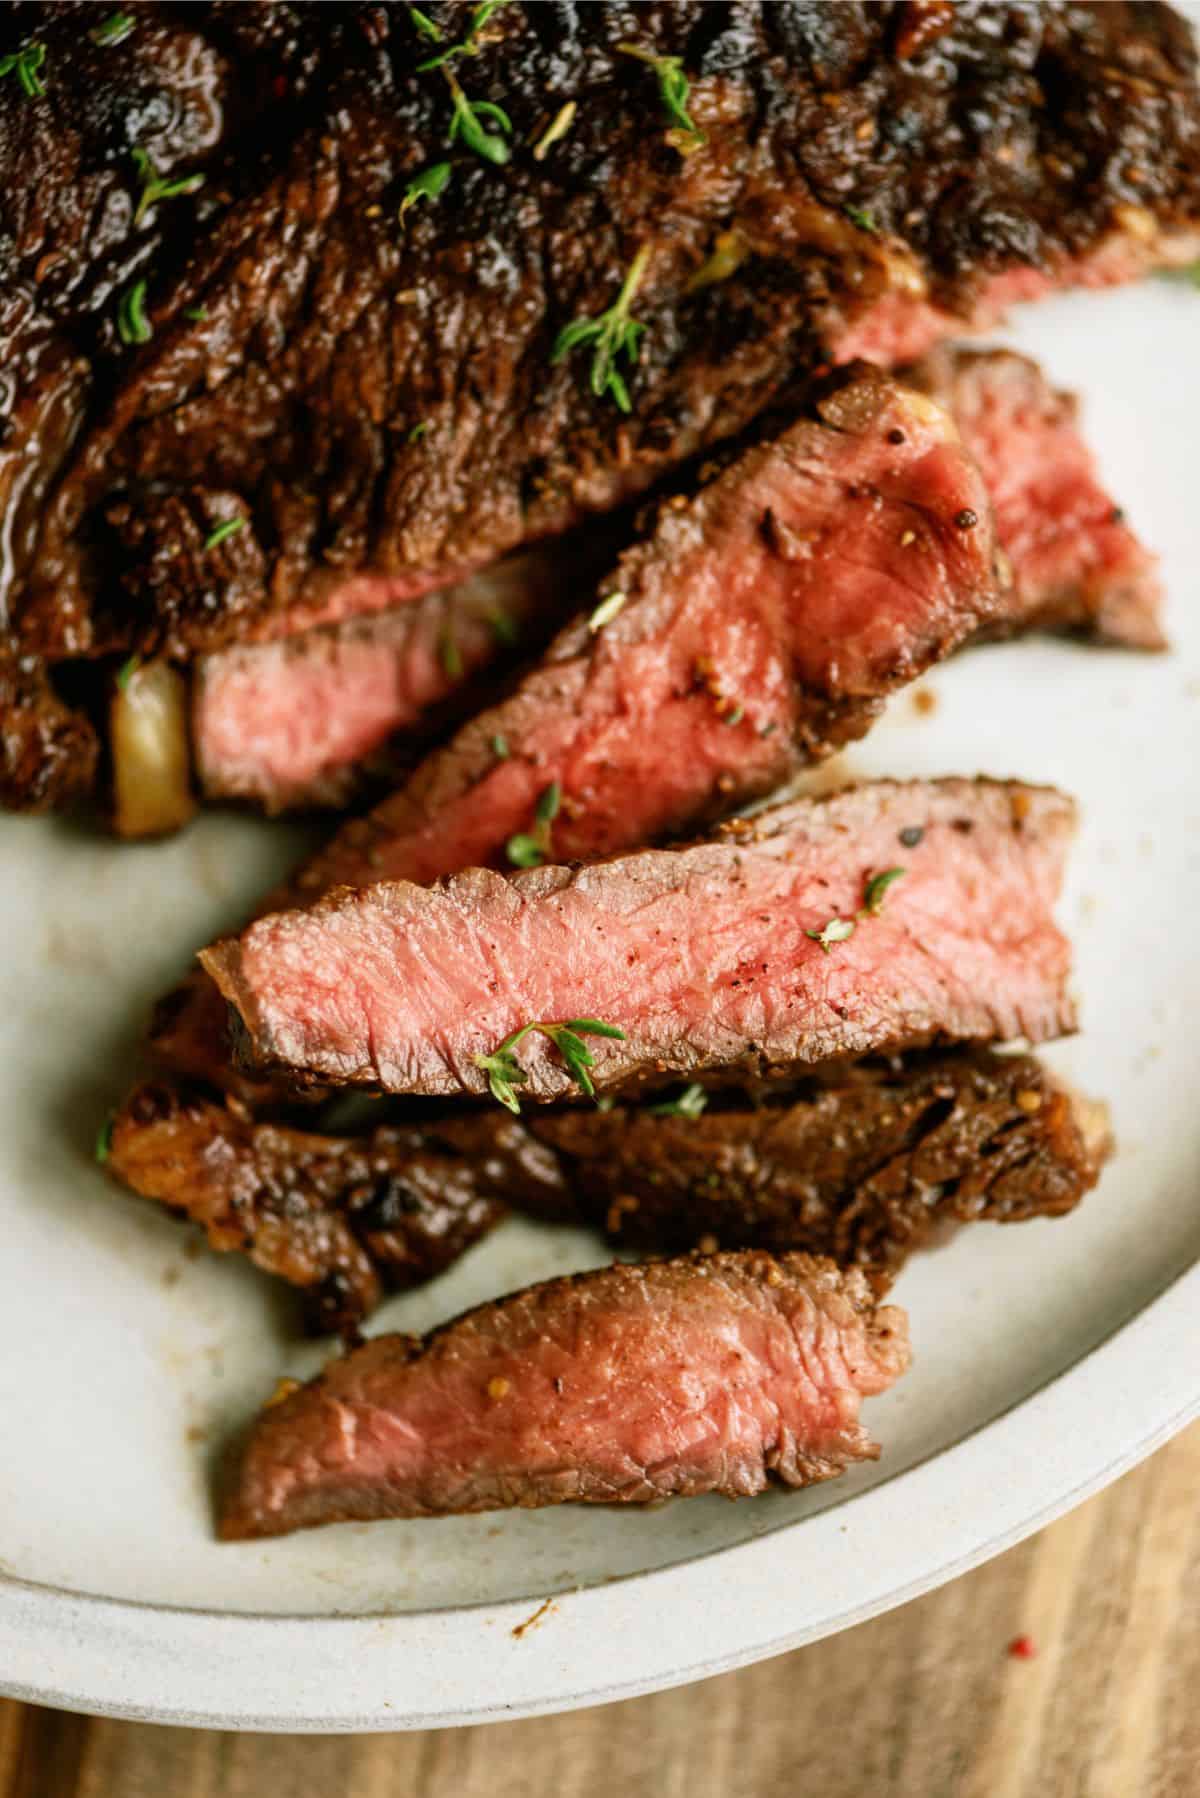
(104,1139)
(132,324)
(500,748)
(503,628)
(471,44)
(466,122)
(418,431)
(27,63)
(530,849)
(126,672)
(426,186)
(197,314)
(1189,274)
(614,334)
(736,715)
(606,611)
(228,527)
(836,931)
(862,219)
(689,1104)
(505,1072)
(876,891)
(155,187)
(558,127)
(450,655)
(673,88)
(114,30)
(425,24)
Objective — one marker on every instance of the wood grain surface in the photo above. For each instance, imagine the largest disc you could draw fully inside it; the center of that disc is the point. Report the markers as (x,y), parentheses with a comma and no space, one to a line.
(927,1702)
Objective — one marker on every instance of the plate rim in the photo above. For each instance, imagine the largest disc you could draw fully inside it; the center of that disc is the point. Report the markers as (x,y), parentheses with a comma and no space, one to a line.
(329,1674)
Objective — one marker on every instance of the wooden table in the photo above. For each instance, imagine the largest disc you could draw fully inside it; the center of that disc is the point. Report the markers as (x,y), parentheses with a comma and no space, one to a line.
(925,1703)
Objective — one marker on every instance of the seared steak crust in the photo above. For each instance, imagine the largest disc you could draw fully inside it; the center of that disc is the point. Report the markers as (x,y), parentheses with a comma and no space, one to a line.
(860,1165)
(711,1374)
(855,157)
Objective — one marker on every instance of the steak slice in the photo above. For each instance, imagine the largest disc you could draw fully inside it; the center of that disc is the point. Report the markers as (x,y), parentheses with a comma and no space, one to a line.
(344,1218)
(383,400)
(1076,564)
(710,1374)
(299,722)
(286,723)
(860,1164)
(704,957)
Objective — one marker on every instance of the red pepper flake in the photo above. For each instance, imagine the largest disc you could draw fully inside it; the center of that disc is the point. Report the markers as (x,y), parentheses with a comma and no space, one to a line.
(1021,1648)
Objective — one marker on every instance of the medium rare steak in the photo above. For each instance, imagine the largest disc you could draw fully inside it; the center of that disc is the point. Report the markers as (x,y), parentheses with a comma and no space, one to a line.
(301,721)
(778,943)
(1075,563)
(343,1218)
(762,622)
(860,1164)
(714,1374)
(285,723)
(257,283)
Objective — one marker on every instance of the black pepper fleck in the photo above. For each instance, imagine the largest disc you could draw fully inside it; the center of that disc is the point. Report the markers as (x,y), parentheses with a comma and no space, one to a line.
(911,835)
(966,520)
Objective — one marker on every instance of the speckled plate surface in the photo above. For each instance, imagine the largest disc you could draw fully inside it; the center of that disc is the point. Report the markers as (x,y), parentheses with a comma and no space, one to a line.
(1048,1357)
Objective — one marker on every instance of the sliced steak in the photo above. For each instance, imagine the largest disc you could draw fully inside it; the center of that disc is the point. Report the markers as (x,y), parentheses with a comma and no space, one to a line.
(301,721)
(860,1165)
(634,1384)
(343,1218)
(287,723)
(1076,565)
(760,624)
(704,957)
(381,399)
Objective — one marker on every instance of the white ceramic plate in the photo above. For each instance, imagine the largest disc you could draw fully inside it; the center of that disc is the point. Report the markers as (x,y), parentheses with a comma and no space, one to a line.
(1049,1357)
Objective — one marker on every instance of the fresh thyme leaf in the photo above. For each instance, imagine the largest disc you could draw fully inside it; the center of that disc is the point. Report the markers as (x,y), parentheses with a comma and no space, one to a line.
(547,806)
(558,127)
(450,656)
(736,715)
(228,527)
(132,324)
(428,185)
(614,334)
(425,24)
(126,671)
(529,849)
(876,891)
(606,611)
(27,63)
(836,931)
(114,30)
(470,46)
(500,748)
(418,431)
(504,1071)
(465,124)
(862,219)
(197,314)
(674,88)
(524,851)
(104,1139)
(503,628)
(689,1104)
(156,188)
